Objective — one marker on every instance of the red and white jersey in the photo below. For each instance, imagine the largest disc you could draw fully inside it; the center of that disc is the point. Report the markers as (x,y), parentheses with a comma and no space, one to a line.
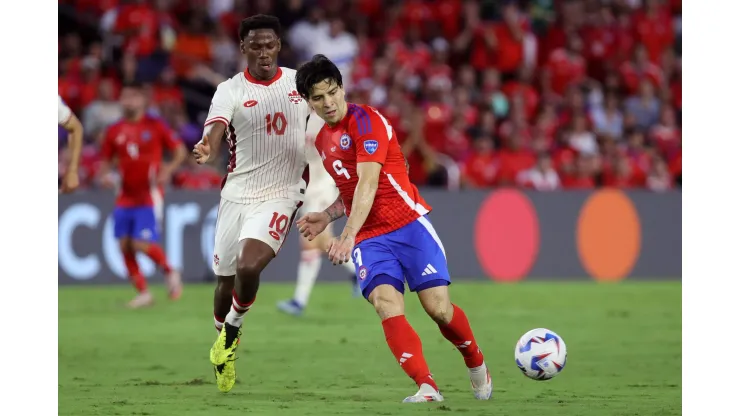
(266,134)
(64,112)
(364,135)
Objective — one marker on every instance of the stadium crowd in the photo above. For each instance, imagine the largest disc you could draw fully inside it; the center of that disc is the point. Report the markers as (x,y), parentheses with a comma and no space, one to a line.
(543,94)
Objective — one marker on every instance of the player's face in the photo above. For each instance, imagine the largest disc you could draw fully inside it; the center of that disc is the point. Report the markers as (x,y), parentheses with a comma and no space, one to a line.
(133,102)
(261,48)
(327,99)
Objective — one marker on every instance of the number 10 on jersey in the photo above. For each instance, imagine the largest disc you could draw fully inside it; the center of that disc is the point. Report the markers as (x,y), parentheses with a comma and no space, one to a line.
(276,124)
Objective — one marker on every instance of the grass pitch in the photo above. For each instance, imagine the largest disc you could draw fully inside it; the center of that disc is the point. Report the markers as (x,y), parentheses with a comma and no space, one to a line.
(624,353)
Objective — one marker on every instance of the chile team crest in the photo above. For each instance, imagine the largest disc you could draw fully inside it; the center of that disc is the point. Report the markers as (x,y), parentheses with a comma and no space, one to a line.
(345,141)
(362,273)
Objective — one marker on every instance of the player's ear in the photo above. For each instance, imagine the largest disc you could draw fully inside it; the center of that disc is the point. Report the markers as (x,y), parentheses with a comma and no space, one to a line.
(279,44)
(242,47)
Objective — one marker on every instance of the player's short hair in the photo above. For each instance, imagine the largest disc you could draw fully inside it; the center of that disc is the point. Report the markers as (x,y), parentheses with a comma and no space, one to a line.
(319,68)
(259,21)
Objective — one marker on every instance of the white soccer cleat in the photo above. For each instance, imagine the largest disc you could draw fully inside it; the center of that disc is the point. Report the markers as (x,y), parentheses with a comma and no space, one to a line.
(480,381)
(425,394)
(141,300)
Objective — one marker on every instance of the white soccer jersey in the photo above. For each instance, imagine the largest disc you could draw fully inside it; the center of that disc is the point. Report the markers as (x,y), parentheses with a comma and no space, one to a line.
(64,112)
(318,176)
(266,134)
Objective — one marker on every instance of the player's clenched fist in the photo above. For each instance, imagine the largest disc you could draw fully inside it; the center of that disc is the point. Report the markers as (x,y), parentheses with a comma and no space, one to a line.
(312,224)
(202,150)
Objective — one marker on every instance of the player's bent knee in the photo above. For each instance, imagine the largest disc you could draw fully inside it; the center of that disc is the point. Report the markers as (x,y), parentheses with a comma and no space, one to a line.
(387,301)
(436,303)
(253,257)
(139,246)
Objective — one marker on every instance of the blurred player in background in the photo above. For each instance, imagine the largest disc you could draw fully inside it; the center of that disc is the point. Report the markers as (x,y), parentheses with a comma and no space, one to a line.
(71,123)
(137,143)
(266,122)
(387,233)
(321,192)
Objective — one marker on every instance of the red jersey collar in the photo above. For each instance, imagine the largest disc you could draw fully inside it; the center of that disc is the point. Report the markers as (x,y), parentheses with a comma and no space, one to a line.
(254,80)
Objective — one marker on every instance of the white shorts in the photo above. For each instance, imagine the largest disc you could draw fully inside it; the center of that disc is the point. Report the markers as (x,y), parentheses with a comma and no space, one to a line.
(269,222)
(318,198)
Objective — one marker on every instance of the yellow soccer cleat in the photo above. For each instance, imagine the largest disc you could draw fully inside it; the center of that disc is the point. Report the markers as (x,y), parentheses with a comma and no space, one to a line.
(223,355)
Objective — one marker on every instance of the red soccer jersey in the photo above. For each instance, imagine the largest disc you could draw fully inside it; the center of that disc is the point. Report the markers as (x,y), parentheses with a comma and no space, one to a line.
(364,135)
(138,146)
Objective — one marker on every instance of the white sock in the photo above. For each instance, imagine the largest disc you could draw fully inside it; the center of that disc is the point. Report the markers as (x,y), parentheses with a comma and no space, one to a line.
(349,266)
(308,271)
(237,312)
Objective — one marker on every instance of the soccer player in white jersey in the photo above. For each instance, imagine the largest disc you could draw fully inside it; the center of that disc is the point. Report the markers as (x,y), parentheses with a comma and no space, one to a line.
(72,124)
(265,122)
(321,192)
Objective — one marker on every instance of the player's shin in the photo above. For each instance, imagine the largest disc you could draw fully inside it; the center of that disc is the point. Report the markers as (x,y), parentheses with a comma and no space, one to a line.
(239,308)
(132,266)
(459,333)
(222,299)
(405,345)
(308,271)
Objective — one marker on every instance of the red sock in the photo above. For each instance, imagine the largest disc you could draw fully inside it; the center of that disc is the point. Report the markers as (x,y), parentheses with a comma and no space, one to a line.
(218,322)
(458,332)
(129,257)
(156,253)
(406,347)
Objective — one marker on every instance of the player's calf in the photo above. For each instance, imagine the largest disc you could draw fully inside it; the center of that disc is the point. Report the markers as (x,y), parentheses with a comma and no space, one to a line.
(402,340)
(454,326)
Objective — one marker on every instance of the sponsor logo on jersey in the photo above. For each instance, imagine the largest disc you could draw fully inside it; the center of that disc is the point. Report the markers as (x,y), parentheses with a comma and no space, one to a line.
(250,103)
(370,146)
(333,149)
(345,142)
(294,97)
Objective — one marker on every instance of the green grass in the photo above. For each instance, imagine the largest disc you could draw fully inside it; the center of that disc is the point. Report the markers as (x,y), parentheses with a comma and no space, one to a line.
(624,353)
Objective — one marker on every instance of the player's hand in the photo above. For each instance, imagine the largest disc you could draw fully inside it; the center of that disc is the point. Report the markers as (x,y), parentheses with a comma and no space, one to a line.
(340,248)
(70,182)
(164,177)
(313,224)
(202,151)
(108,181)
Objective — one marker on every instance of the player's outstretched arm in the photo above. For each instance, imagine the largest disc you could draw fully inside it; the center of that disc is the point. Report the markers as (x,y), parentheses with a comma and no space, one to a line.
(206,150)
(314,223)
(74,145)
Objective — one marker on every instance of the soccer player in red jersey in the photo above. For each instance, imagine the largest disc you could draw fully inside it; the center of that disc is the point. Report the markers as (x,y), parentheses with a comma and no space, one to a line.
(137,143)
(388,234)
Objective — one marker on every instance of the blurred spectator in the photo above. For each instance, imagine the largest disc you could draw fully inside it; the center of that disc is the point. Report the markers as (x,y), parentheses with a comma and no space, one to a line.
(103,111)
(542,177)
(645,107)
(513,93)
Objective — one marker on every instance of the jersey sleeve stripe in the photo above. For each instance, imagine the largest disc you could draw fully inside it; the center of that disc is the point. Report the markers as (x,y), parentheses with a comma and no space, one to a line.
(420,209)
(215,120)
(363,121)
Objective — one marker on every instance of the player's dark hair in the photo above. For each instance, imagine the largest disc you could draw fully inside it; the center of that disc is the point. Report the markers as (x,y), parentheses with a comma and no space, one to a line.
(318,69)
(259,21)
(133,84)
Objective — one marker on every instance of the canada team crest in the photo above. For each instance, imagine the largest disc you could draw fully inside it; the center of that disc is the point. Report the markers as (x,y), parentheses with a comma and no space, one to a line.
(294,97)
(345,141)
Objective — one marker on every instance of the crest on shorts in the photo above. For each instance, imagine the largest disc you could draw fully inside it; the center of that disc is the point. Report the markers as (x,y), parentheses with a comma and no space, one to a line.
(216,260)
(370,146)
(345,141)
(362,274)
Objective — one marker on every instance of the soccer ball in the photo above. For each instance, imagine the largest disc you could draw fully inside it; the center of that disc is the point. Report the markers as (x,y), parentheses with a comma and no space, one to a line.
(540,354)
